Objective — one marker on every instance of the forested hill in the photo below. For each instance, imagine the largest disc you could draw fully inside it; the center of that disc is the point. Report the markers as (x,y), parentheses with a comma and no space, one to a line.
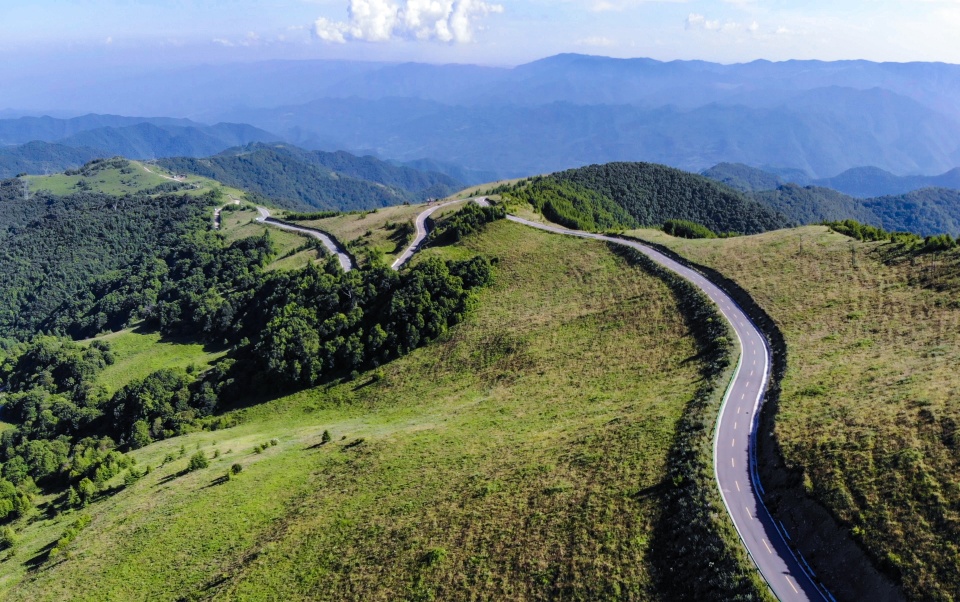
(653,194)
(422,183)
(52,248)
(298,179)
(813,204)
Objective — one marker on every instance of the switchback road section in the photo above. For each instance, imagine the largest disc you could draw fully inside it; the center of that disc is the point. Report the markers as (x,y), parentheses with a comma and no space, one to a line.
(346,262)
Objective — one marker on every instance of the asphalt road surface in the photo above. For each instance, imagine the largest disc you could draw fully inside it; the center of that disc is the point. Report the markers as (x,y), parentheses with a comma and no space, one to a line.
(421,223)
(345,261)
(735,441)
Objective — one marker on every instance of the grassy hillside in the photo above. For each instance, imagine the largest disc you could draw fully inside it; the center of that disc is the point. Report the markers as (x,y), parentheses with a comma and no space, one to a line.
(292,250)
(139,353)
(110,176)
(534,473)
(870,405)
(119,176)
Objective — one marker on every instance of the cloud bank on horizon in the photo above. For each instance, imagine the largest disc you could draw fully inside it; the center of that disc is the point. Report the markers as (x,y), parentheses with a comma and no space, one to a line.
(384,20)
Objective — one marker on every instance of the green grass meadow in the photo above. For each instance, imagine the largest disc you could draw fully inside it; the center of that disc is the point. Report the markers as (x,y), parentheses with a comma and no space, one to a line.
(518,458)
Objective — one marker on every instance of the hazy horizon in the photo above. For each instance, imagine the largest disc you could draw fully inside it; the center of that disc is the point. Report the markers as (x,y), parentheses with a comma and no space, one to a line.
(120,35)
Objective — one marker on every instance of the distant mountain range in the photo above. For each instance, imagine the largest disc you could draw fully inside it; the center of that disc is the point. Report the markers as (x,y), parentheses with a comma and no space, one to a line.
(820,133)
(923,210)
(298,179)
(821,118)
(860,182)
(43,158)
(40,145)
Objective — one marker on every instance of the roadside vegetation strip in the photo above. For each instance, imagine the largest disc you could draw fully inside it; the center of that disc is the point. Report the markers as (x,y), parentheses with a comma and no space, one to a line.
(690,536)
(421,225)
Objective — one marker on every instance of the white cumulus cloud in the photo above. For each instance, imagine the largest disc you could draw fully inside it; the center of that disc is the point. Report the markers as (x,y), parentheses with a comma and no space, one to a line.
(698,22)
(382,20)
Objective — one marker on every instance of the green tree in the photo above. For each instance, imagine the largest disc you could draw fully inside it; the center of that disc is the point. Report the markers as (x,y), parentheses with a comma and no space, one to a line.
(87,491)
(198,461)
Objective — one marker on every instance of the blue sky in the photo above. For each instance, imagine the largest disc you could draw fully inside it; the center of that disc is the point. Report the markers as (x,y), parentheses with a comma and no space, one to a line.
(498,32)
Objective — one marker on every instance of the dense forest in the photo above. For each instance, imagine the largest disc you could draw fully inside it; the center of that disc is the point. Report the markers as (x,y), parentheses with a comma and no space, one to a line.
(811,204)
(623,195)
(423,184)
(54,247)
(299,180)
(654,193)
(572,205)
(284,330)
(928,211)
(743,177)
(472,218)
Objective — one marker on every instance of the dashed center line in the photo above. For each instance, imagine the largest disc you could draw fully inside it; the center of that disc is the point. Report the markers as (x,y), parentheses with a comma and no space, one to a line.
(737,483)
(790,581)
(767,546)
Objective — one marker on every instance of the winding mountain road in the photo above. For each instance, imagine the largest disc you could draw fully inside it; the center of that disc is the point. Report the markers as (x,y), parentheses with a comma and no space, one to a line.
(787,574)
(421,224)
(346,262)
(785,571)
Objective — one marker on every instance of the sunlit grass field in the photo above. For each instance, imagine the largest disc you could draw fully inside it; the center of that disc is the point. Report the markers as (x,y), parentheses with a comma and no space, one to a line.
(518,458)
(140,353)
(136,177)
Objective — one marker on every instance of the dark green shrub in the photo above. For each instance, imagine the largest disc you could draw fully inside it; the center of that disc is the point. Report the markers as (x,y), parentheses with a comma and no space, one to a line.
(198,461)
(434,557)
(941,242)
(687,229)
(8,538)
